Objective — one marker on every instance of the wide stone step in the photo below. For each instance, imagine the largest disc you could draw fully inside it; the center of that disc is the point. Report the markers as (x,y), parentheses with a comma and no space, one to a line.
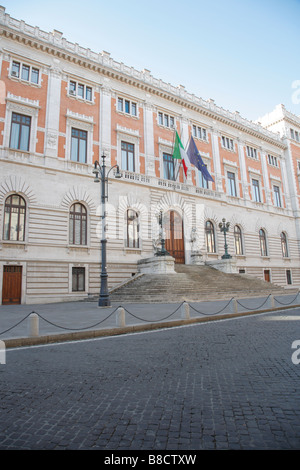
(194,283)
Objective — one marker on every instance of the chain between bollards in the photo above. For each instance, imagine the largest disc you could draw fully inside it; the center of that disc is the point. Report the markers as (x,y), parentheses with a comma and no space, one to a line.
(184,307)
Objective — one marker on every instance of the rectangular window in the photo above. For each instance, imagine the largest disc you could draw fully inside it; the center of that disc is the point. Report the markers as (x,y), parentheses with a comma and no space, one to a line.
(78,279)
(256,190)
(25,72)
(203,183)
(231,183)
(120,104)
(127,151)
(227,143)
(88,93)
(35,75)
(277,196)
(199,132)
(80,90)
(251,152)
(72,88)
(133,109)
(166,120)
(273,160)
(169,167)
(288,276)
(160,118)
(20,132)
(15,69)
(127,106)
(78,145)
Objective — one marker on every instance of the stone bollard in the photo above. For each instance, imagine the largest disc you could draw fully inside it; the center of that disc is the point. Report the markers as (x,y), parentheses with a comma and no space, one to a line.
(121,317)
(185,311)
(270,302)
(2,353)
(33,325)
(234,306)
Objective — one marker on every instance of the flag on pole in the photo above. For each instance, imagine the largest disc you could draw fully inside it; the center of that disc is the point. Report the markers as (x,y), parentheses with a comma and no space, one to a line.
(195,158)
(179,152)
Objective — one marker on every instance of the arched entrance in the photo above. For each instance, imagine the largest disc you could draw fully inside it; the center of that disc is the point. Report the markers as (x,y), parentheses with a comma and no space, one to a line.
(173,226)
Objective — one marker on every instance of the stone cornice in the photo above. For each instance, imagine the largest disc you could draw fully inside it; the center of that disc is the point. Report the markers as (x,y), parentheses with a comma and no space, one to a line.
(55,44)
(291,118)
(280,114)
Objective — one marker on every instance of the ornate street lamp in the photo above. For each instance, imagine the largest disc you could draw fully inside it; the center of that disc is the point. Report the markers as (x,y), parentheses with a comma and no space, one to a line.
(224,227)
(101,176)
(162,251)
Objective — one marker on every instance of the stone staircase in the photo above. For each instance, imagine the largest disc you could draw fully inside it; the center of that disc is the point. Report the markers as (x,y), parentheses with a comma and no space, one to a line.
(193,284)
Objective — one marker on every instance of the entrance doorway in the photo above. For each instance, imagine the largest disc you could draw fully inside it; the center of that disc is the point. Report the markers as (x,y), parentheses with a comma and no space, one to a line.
(267,275)
(12,285)
(173,226)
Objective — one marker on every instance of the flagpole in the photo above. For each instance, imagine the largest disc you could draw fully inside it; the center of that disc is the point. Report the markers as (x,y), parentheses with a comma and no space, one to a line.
(180,155)
(180,160)
(173,151)
(178,170)
(185,151)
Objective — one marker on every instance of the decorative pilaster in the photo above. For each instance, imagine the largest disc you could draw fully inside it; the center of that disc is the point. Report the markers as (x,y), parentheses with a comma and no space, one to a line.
(52,113)
(266,177)
(105,122)
(149,139)
(245,187)
(217,161)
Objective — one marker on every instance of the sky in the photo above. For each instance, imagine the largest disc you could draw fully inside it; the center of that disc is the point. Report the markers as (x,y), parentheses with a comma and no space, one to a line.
(244,54)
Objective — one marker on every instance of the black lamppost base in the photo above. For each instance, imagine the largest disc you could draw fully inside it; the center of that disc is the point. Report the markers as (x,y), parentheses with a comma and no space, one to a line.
(163,251)
(104,302)
(226,257)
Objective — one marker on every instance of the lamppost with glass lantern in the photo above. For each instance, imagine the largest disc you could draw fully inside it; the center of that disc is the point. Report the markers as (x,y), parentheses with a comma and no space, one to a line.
(101,176)
(224,227)
(162,251)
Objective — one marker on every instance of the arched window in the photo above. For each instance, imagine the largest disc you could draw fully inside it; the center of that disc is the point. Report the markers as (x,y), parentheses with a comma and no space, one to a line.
(284,245)
(133,229)
(78,225)
(14,218)
(263,243)
(238,240)
(210,237)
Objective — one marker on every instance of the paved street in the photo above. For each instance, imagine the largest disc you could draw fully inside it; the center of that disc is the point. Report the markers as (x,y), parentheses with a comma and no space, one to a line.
(229,384)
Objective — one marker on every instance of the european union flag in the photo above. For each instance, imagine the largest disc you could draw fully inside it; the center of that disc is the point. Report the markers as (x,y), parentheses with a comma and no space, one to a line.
(195,159)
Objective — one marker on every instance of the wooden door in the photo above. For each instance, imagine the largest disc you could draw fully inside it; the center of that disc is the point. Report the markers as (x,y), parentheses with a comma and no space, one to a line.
(173,226)
(12,285)
(267,275)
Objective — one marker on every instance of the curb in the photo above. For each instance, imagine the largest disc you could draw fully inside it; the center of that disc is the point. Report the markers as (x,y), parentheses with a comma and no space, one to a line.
(83,335)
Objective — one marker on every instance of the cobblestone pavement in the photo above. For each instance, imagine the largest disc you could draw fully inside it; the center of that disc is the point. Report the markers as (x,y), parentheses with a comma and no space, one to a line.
(228,384)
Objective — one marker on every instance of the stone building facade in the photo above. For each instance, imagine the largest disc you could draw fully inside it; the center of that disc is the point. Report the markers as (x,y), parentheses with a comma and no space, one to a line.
(63,106)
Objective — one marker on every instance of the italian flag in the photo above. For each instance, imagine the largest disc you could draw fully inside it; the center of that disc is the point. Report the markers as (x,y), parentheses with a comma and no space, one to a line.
(179,152)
